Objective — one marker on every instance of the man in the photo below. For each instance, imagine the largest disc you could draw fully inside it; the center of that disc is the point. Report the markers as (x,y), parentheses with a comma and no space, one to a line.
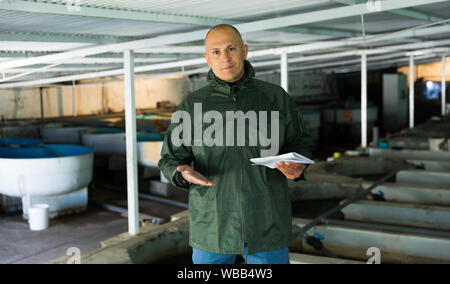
(234,207)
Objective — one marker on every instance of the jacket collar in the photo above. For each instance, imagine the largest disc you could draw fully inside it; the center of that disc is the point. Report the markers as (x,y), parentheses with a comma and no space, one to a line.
(224,87)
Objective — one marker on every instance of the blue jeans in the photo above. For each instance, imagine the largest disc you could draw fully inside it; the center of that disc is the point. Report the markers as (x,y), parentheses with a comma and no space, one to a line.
(280,256)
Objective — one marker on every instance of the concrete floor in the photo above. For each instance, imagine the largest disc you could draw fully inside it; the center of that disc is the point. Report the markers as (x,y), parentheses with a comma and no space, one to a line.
(18,244)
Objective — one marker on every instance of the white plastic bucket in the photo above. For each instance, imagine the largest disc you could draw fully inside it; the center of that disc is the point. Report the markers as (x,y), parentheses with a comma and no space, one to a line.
(38,216)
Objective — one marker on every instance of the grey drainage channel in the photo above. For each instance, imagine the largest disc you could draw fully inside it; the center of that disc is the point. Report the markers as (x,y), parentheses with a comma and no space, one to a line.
(410,193)
(402,214)
(315,241)
(353,242)
(385,227)
(358,197)
(350,239)
(424,177)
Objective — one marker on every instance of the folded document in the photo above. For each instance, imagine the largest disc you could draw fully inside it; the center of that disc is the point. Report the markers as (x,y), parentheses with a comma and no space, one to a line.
(289,157)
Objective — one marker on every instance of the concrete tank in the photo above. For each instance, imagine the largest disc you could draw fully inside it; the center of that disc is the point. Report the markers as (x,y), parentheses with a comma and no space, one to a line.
(44,170)
(111,141)
(59,133)
(104,141)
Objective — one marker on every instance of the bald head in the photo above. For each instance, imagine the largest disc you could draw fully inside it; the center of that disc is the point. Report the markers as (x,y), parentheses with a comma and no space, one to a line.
(225,27)
(225,52)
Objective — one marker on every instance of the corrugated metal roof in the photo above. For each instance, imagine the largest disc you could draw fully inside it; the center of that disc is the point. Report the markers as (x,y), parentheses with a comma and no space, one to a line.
(12,21)
(437,9)
(39,46)
(378,24)
(281,37)
(54,30)
(229,9)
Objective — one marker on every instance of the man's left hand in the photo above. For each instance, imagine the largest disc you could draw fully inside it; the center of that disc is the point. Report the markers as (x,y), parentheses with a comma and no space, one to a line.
(290,169)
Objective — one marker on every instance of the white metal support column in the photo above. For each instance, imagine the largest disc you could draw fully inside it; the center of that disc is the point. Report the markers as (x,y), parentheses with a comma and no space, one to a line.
(130,129)
(364,100)
(443,94)
(284,72)
(411,91)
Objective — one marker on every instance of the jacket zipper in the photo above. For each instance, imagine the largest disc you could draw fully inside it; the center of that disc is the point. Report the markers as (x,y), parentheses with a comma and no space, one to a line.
(236,108)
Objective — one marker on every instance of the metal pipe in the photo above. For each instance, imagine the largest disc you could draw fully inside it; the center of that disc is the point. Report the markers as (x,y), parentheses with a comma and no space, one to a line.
(377,66)
(199,61)
(358,61)
(423,54)
(30,71)
(130,129)
(164,200)
(153,67)
(123,212)
(411,91)
(364,100)
(284,72)
(443,86)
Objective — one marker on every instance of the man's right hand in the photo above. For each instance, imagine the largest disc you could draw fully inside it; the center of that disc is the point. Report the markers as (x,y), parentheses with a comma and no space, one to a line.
(194,177)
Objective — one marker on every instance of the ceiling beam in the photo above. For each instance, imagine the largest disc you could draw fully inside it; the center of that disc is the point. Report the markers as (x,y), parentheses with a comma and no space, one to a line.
(398,58)
(58,69)
(144,55)
(343,64)
(143,16)
(409,33)
(401,12)
(273,23)
(354,65)
(383,64)
(331,14)
(59,37)
(142,58)
(201,61)
(122,14)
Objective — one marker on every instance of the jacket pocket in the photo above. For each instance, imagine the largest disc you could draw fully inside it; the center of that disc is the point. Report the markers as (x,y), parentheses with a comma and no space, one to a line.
(197,191)
(276,179)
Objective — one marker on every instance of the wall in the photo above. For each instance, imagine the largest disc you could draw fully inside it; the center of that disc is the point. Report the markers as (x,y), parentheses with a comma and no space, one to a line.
(89,98)
(107,96)
(429,72)
(20,103)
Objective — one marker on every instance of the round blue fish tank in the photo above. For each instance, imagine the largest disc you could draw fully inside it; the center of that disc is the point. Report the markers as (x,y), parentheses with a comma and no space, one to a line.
(43,151)
(43,170)
(20,142)
(112,141)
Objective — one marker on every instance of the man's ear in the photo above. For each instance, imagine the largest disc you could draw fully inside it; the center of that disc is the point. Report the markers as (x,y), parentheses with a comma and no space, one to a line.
(245,48)
(206,57)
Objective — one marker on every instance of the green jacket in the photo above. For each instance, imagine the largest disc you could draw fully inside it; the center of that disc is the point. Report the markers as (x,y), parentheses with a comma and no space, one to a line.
(249,204)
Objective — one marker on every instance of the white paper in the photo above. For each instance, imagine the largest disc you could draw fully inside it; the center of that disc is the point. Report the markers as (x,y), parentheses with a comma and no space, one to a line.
(289,157)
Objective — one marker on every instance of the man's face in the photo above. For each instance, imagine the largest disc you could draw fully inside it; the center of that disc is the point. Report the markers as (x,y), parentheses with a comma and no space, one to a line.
(225,54)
